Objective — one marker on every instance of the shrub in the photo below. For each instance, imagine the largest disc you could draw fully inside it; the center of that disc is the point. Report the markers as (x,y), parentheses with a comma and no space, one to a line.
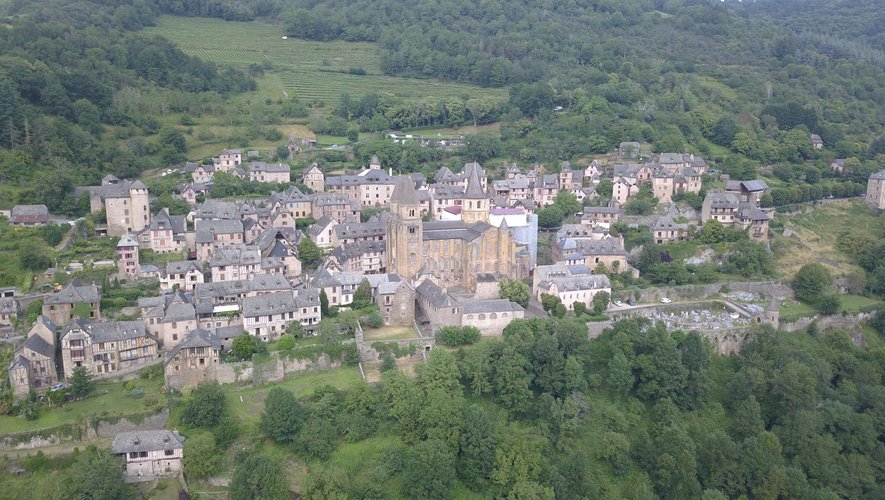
(455,336)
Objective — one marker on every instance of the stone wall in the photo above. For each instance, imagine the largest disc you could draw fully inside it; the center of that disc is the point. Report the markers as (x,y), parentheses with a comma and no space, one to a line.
(834,321)
(275,369)
(766,289)
(82,431)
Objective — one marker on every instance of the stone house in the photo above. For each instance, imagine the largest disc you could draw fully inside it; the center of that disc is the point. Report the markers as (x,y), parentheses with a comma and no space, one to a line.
(73,300)
(181,275)
(8,311)
(128,264)
(490,316)
(336,206)
(875,197)
(29,215)
(314,179)
(396,300)
(242,262)
(214,234)
(149,454)
(570,283)
(321,231)
(838,166)
(817,142)
(193,360)
(229,159)
(126,204)
(664,230)
(747,191)
(367,257)
(729,209)
(33,363)
(297,204)
(166,233)
(375,229)
(436,307)
(591,252)
(169,317)
(106,348)
(269,172)
(201,174)
(268,316)
(600,215)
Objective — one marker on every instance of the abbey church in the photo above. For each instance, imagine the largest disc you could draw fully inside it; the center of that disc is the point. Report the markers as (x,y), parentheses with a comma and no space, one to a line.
(449,253)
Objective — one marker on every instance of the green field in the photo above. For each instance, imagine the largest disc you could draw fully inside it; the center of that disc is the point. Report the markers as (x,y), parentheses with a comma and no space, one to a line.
(815,234)
(311,70)
(794,310)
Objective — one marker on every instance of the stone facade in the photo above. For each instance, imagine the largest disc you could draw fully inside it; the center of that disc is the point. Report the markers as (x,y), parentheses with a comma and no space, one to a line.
(875,196)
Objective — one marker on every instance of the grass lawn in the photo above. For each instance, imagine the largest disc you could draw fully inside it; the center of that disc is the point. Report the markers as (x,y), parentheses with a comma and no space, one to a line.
(815,233)
(390,333)
(108,400)
(794,309)
(314,71)
(303,385)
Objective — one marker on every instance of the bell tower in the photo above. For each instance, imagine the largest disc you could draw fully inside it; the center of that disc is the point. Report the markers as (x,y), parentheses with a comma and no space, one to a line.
(405,240)
(476,199)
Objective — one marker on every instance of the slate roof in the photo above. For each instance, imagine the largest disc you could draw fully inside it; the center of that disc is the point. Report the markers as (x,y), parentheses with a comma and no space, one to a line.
(207,228)
(718,199)
(113,331)
(404,192)
(474,188)
(452,230)
(435,295)
(162,221)
(665,223)
(878,176)
(490,306)
(374,227)
(182,267)
(29,214)
(270,303)
(196,338)
(38,345)
(138,441)
(271,168)
(242,255)
(127,240)
(356,250)
(316,228)
(74,294)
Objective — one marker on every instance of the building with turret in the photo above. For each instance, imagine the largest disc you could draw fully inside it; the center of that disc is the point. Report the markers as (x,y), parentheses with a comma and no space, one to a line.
(450,253)
(125,203)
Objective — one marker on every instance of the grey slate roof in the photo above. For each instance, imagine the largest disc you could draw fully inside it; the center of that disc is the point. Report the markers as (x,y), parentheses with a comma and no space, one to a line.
(665,223)
(182,267)
(196,338)
(490,306)
(113,331)
(137,441)
(879,176)
(451,230)
(74,294)
(316,228)
(270,303)
(271,168)
(474,188)
(29,214)
(38,345)
(404,191)
(207,228)
(435,295)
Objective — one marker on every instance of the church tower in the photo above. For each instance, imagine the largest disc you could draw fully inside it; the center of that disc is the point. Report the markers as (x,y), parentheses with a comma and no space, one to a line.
(476,200)
(405,241)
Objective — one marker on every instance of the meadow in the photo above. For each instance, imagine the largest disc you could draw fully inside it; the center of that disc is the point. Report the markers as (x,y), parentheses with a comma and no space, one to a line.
(312,71)
(814,234)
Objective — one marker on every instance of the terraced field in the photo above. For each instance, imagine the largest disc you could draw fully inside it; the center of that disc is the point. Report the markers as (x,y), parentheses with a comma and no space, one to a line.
(310,70)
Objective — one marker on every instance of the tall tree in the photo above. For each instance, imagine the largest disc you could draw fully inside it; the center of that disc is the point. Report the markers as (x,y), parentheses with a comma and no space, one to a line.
(283,416)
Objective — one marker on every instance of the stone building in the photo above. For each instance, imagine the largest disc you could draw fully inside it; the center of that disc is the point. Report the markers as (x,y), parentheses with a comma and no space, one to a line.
(169,317)
(181,275)
(314,179)
(106,348)
(875,196)
(664,230)
(33,363)
(126,204)
(490,316)
(29,215)
(453,252)
(73,300)
(571,283)
(193,360)
(260,171)
(166,233)
(149,454)
(128,265)
(396,301)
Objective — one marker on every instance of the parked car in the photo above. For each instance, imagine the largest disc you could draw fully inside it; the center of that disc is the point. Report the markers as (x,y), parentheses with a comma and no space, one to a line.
(665,300)
(631,302)
(618,303)
(56,387)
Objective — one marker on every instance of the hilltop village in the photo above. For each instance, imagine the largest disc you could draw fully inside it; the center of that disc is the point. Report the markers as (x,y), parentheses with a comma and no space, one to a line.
(459,253)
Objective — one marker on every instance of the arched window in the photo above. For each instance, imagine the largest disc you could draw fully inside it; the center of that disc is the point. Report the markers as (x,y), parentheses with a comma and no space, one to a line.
(482,317)
(493,316)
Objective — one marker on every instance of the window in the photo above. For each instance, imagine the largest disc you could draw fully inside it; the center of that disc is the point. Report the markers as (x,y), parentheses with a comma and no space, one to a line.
(142,454)
(133,454)
(169,453)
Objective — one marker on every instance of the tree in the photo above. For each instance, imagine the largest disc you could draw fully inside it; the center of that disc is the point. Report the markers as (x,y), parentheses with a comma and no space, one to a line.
(713,232)
(458,335)
(375,320)
(201,456)
(244,346)
(550,217)
(81,382)
(750,259)
(559,310)
(476,453)
(549,302)
(282,417)
(33,257)
(430,470)
(173,139)
(308,251)
(96,475)
(580,308)
(206,407)
(812,282)
(515,290)
(324,303)
(258,478)
(286,342)
(600,302)
(363,293)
